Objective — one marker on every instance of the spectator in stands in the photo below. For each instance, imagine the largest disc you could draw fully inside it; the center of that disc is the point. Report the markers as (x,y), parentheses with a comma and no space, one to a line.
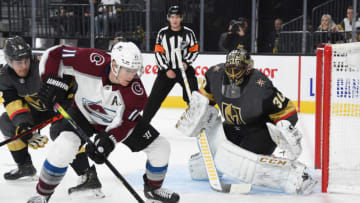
(346,23)
(326,30)
(107,11)
(327,24)
(223,37)
(238,37)
(85,21)
(57,20)
(272,42)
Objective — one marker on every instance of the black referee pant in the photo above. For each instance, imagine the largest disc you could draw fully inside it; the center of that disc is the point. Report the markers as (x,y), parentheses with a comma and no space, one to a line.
(163,85)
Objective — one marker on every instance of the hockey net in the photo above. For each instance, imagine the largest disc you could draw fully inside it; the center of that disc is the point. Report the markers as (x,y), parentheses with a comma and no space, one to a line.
(337,119)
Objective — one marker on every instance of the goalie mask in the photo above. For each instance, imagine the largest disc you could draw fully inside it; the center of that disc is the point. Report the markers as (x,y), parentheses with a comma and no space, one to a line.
(127,55)
(16,49)
(238,65)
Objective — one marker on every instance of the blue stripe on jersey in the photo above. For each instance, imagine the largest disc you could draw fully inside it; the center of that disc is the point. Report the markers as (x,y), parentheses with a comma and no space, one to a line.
(154,169)
(53,170)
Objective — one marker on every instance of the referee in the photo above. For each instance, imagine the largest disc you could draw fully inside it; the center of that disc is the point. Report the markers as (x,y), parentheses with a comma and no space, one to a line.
(168,39)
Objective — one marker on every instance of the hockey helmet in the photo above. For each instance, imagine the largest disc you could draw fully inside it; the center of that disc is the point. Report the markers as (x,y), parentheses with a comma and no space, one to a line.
(16,49)
(238,64)
(127,55)
(174,10)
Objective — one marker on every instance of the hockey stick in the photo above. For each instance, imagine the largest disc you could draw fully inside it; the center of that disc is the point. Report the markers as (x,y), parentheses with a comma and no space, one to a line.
(203,143)
(83,136)
(36,127)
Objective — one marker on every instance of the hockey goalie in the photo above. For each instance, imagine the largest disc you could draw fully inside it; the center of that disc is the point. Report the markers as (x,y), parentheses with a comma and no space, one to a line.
(257,120)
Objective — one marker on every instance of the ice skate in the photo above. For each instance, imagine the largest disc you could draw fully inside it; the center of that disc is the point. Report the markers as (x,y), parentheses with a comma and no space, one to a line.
(26,172)
(89,185)
(39,199)
(160,195)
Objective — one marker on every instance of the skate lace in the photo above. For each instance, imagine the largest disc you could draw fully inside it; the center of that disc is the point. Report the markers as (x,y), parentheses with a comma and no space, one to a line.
(163,193)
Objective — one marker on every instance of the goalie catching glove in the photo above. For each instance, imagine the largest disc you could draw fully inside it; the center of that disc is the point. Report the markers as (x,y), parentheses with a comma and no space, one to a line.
(287,137)
(198,115)
(103,145)
(34,140)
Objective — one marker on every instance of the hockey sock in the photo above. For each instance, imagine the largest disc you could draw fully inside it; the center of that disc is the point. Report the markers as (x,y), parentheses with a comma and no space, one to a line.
(154,176)
(50,177)
(21,156)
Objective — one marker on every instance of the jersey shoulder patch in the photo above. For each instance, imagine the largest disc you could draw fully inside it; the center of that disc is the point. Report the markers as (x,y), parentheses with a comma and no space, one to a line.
(261,80)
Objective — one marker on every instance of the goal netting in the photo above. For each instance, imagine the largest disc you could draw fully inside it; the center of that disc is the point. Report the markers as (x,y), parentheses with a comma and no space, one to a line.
(337,150)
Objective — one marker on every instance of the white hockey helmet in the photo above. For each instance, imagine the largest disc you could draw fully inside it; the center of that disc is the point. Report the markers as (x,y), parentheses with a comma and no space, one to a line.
(127,55)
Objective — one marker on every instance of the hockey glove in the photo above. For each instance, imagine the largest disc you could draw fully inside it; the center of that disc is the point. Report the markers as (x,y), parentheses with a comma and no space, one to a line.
(103,145)
(54,89)
(34,140)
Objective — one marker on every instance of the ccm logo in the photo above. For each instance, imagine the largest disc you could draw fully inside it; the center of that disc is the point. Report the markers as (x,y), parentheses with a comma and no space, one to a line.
(269,72)
(273,161)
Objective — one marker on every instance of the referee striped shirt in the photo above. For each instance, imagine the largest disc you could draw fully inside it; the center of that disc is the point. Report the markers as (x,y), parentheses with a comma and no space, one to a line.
(166,43)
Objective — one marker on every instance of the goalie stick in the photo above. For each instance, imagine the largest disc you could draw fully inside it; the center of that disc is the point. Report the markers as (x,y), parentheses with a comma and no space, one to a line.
(36,127)
(203,143)
(84,137)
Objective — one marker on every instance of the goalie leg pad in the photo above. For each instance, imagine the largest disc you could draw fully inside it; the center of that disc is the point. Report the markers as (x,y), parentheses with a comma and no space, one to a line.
(282,174)
(197,167)
(215,135)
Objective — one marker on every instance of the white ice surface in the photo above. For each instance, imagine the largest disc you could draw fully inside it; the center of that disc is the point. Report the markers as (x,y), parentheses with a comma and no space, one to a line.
(131,166)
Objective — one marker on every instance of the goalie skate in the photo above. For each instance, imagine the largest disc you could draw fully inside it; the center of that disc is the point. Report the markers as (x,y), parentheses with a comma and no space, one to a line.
(305,180)
(308,184)
(24,172)
(89,186)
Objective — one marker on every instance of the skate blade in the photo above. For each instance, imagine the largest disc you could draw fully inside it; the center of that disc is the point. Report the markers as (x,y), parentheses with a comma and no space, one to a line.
(88,194)
(153,201)
(24,179)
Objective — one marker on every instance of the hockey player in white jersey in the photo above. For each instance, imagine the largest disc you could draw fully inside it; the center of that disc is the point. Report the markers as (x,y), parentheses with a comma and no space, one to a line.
(108,103)
(258,118)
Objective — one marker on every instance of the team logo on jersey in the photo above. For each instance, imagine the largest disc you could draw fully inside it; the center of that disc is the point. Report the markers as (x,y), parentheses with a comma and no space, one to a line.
(232,114)
(97,110)
(137,89)
(260,82)
(97,58)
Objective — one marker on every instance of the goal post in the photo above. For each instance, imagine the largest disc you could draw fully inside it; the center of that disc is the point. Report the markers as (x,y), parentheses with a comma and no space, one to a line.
(337,117)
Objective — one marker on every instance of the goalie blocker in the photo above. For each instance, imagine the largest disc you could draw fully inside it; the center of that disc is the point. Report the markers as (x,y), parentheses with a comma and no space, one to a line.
(284,174)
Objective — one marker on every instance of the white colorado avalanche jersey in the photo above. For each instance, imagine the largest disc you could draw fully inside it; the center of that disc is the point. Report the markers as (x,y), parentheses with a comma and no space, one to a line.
(108,107)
